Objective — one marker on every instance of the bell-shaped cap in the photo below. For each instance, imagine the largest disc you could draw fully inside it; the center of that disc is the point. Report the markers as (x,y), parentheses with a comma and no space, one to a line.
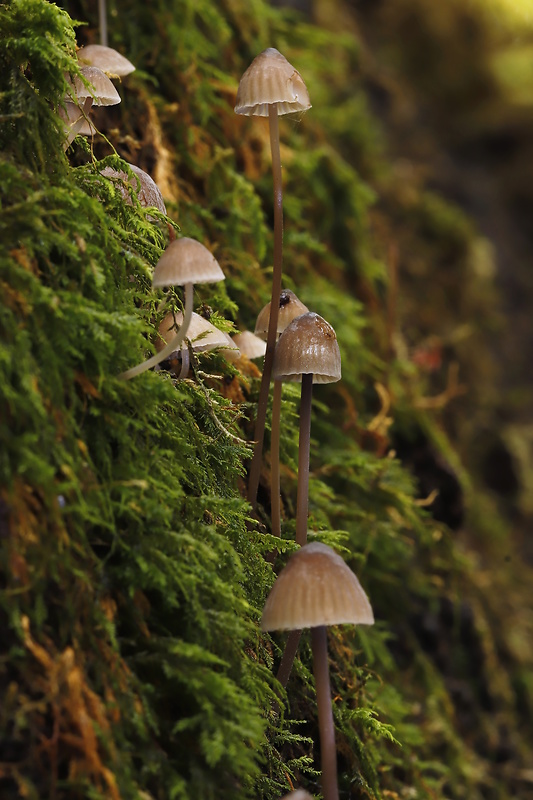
(290,307)
(250,345)
(103,92)
(149,194)
(315,588)
(202,335)
(271,79)
(308,345)
(298,794)
(186,261)
(105,58)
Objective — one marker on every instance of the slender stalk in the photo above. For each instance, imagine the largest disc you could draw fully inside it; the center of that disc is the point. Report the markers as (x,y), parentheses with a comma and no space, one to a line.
(328,750)
(304,446)
(174,343)
(302,508)
(275,490)
(185,363)
(287,659)
(259,434)
(102,22)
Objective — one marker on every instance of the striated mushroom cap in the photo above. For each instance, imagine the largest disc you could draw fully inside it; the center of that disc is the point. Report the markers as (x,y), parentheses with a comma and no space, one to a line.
(307,345)
(103,92)
(290,307)
(202,335)
(105,58)
(149,194)
(315,588)
(186,261)
(271,79)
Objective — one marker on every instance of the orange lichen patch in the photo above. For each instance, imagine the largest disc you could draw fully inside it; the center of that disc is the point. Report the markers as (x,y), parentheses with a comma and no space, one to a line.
(21,256)
(14,300)
(86,385)
(77,712)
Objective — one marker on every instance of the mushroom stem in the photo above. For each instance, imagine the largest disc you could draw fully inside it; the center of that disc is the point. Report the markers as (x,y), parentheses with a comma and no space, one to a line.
(185,363)
(304,446)
(275,503)
(102,22)
(174,343)
(328,751)
(287,659)
(259,434)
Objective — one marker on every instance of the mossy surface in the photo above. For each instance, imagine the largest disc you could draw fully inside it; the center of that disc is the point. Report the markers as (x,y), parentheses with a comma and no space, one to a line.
(132,572)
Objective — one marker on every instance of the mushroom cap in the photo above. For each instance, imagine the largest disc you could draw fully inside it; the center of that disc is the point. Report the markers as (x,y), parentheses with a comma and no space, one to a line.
(298,794)
(290,307)
(271,79)
(103,94)
(202,335)
(315,588)
(307,345)
(186,261)
(250,345)
(105,58)
(149,194)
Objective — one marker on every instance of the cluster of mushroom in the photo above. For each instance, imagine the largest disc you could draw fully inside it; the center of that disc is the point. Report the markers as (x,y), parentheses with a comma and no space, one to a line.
(316,588)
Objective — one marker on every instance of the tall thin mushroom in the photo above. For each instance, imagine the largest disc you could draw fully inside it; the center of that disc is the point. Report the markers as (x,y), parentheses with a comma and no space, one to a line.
(314,590)
(184,263)
(270,87)
(307,351)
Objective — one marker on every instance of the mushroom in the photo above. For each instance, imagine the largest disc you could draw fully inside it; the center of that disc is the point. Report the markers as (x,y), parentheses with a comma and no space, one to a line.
(149,194)
(298,794)
(289,308)
(269,87)
(105,58)
(314,590)
(82,98)
(184,263)
(201,334)
(307,351)
(250,345)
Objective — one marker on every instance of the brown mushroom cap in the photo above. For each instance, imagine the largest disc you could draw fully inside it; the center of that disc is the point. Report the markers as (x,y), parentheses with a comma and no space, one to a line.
(149,194)
(105,58)
(271,79)
(299,794)
(202,335)
(186,261)
(103,92)
(307,345)
(315,588)
(290,307)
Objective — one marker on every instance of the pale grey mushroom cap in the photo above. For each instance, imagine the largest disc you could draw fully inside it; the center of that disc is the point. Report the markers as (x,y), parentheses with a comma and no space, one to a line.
(103,92)
(269,79)
(186,261)
(149,193)
(202,335)
(105,58)
(307,345)
(250,345)
(299,794)
(315,588)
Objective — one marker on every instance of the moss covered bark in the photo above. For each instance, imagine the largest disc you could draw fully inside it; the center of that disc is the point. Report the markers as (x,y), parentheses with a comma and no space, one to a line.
(132,575)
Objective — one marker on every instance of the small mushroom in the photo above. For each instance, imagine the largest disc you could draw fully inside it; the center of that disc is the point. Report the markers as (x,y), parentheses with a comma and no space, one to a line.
(270,87)
(314,590)
(250,345)
(105,58)
(149,194)
(202,335)
(307,351)
(184,263)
